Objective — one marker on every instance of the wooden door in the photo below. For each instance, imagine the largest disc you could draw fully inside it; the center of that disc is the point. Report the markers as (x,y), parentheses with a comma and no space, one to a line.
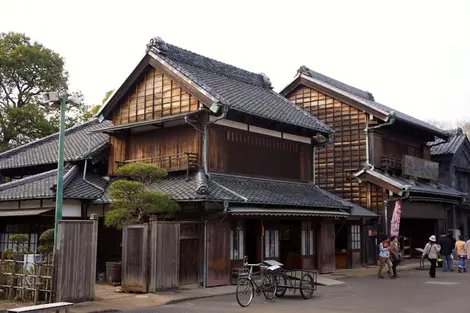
(218,252)
(134,258)
(189,256)
(326,251)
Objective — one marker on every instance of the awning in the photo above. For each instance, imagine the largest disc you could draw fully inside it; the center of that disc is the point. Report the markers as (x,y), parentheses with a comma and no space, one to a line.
(166,119)
(7,213)
(285,212)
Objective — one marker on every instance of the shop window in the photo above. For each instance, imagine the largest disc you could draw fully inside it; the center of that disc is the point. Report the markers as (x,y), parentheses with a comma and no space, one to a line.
(236,242)
(271,244)
(307,238)
(355,243)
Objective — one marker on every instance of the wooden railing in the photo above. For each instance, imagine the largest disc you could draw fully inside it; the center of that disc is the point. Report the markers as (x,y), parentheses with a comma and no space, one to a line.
(388,162)
(176,162)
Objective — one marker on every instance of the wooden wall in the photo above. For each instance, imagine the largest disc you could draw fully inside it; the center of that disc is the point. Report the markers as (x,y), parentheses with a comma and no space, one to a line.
(218,252)
(326,243)
(135,243)
(237,151)
(335,164)
(159,142)
(75,261)
(154,96)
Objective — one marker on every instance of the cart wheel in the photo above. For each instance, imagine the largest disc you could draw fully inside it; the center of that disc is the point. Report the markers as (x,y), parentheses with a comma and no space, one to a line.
(307,286)
(281,284)
(245,292)
(269,284)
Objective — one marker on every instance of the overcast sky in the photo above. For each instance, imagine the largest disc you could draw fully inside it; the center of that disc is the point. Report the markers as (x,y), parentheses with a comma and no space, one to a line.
(412,55)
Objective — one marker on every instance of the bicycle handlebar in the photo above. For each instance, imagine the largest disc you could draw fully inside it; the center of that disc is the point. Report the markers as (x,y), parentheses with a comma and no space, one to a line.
(253,265)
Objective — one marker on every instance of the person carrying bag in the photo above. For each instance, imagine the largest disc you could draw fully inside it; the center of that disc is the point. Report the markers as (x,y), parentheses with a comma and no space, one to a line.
(431,251)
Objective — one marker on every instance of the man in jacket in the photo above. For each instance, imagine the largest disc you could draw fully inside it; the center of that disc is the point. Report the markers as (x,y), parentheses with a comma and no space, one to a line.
(446,251)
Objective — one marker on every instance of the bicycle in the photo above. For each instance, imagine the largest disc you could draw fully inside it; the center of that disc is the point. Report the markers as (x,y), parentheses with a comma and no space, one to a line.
(298,279)
(246,284)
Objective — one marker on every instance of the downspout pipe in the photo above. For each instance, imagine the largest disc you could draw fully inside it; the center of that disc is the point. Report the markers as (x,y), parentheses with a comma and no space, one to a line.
(390,120)
(204,261)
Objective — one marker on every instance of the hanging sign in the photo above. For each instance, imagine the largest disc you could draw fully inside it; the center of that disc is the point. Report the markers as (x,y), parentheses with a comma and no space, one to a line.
(395,223)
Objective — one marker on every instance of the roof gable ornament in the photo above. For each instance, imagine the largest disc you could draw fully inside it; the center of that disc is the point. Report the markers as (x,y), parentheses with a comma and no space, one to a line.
(266,81)
(157,45)
(304,70)
(459,131)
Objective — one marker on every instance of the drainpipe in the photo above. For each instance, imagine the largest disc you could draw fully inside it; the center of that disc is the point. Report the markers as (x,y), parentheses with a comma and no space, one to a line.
(205,133)
(204,261)
(89,182)
(313,159)
(390,120)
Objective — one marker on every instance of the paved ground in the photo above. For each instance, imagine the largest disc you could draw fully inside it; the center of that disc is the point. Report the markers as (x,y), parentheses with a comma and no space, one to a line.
(413,292)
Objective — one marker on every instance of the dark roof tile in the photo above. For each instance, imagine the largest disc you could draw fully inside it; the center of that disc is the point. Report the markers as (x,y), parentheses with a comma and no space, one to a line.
(442,147)
(79,145)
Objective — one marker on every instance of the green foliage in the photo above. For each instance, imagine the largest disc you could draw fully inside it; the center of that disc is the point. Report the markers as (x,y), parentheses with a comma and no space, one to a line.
(47,236)
(19,238)
(27,68)
(144,173)
(106,96)
(134,201)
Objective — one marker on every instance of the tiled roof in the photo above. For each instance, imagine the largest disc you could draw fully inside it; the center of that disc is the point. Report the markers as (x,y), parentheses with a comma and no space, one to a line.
(441,147)
(246,190)
(366,98)
(356,210)
(417,187)
(79,145)
(42,186)
(239,89)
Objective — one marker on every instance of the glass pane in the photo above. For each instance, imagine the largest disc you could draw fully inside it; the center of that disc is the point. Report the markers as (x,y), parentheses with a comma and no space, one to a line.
(310,252)
(240,241)
(231,245)
(276,243)
(266,244)
(303,236)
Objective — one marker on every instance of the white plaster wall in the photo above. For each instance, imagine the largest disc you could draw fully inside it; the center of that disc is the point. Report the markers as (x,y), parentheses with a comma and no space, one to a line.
(71,208)
(30,204)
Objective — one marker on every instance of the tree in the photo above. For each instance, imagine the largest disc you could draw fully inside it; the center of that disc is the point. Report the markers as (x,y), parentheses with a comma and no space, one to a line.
(133,200)
(27,68)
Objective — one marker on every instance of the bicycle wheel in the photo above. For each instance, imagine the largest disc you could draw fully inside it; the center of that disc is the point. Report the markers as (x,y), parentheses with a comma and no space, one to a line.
(281,284)
(306,286)
(269,285)
(245,292)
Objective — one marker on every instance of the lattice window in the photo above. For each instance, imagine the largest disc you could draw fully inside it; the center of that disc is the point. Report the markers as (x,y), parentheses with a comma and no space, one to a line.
(308,238)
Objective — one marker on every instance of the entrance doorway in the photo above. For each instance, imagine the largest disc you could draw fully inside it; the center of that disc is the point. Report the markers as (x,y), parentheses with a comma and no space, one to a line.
(290,241)
(252,240)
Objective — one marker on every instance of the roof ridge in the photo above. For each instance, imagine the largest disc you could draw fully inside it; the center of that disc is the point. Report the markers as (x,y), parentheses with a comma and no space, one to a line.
(46,139)
(70,175)
(160,47)
(361,92)
(28,179)
(262,179)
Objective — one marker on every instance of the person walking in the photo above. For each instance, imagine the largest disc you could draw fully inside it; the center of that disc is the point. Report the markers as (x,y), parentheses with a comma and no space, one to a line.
(431,251)
(384,258)
(461,249)
(446,252)
(394,255)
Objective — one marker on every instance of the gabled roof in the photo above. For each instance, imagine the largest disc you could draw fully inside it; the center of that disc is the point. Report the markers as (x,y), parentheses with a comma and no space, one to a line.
(79,145)
(363,97)
(42,186)
(234,87)
(441,147)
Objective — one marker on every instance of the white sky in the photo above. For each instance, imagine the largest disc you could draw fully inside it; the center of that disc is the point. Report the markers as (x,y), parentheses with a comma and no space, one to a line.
(412,55)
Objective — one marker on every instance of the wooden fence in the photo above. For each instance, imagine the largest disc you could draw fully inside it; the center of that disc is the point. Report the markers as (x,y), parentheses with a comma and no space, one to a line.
(75,260)
(24,281)
(152,258)
(134,258)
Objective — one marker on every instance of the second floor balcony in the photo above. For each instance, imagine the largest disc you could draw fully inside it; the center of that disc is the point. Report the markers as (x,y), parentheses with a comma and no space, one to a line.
(187,161)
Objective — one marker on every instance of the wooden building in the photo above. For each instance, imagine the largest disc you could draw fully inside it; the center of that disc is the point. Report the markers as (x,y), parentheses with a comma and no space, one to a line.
(239,158)
(453,157)
(378,156)
(29,177)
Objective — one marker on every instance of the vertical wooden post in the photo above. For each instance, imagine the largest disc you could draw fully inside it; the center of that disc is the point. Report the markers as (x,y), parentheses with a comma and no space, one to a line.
(94,245)
(37,283)
(153,250)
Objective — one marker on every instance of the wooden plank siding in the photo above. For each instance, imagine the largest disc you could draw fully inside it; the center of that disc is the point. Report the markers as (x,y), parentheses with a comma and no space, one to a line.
(75,261)
(169,141)
(135,245)
(154,96)
(229,150)
(218,252)
(335,164)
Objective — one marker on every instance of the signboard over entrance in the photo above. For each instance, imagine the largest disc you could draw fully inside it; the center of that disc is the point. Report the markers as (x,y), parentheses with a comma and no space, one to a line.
(420,168)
